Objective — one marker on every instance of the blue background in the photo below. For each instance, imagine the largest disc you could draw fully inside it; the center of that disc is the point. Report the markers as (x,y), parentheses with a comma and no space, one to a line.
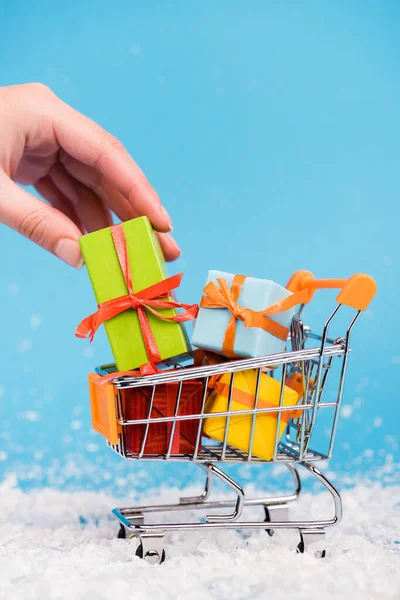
(271,132)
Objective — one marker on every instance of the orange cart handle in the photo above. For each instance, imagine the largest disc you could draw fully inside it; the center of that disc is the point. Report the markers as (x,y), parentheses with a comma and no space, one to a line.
(357,292)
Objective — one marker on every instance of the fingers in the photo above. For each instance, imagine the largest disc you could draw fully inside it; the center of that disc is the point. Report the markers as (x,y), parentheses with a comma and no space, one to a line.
(90,208)
(115,200)
(169,246)
(101,187)
(39,222)
(47,124)
(52,194)
(88,143)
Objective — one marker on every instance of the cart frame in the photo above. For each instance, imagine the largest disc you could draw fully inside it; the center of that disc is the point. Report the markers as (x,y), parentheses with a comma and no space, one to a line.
(313,364)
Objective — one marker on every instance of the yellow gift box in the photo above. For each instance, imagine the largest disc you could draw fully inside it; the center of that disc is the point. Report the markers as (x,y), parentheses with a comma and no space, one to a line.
(243,394)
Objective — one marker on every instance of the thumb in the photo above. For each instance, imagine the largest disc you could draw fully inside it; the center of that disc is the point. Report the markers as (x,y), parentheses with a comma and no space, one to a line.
(39,222)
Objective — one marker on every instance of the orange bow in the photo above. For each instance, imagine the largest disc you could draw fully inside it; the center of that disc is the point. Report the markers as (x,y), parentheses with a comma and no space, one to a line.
(225,297)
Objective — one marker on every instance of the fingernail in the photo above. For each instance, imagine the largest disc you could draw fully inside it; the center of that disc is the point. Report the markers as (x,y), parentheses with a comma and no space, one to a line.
(174,244)
(70,252)
(166,218)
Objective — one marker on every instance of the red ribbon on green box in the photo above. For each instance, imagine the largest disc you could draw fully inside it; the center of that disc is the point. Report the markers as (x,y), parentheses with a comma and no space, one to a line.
(150,298)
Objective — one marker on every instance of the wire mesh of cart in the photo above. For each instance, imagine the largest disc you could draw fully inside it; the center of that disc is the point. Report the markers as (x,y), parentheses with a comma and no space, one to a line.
(305,367)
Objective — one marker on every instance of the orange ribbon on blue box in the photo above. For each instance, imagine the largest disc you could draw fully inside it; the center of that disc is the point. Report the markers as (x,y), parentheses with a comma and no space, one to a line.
(223,296)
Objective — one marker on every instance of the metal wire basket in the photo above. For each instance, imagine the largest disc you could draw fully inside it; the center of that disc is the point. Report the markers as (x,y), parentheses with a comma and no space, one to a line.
(306,367)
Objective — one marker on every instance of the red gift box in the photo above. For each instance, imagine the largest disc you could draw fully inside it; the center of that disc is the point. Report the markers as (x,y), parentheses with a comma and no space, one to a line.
(136,404)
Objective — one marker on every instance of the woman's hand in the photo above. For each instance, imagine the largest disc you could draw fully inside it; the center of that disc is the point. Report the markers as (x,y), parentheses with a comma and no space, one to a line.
(80,169)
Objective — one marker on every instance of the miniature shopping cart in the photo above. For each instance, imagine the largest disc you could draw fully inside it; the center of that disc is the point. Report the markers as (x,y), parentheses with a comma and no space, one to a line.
(307,365)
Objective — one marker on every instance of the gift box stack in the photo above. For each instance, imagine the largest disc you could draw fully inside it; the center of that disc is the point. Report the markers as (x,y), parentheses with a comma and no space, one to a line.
(238,317)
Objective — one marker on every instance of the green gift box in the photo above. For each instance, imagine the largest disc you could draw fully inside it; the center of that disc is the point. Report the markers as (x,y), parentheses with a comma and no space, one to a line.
(147,267)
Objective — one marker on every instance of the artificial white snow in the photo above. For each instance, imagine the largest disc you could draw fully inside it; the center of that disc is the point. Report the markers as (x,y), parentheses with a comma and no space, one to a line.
(92,447)
(35,321)
(76,425)
(25,345)
(363,383)
(62,545)
(13,288)
(88,352)
(31,415)
(135,49)
(346,412)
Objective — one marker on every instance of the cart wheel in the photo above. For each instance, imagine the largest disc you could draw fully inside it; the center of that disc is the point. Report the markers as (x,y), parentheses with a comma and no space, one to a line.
(151,557)
(276,513)
(268,520)
(317,554)
(312,541)
(122,533)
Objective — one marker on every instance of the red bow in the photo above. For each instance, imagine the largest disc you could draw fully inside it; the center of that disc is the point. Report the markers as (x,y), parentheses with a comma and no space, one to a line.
(148,299)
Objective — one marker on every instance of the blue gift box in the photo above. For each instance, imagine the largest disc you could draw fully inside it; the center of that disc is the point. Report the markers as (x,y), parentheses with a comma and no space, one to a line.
(250,342)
